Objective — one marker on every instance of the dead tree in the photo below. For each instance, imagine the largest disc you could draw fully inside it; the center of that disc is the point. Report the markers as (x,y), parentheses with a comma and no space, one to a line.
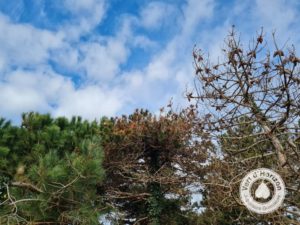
(258,87)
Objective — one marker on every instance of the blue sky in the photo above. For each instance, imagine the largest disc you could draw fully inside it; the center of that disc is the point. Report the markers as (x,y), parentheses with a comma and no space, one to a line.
(108,57)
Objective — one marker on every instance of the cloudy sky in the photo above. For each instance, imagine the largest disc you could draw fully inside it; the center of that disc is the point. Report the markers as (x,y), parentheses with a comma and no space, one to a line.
(108,57)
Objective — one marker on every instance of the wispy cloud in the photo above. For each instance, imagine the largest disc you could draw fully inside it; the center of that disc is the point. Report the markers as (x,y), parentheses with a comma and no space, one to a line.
(86,14)
(157,14)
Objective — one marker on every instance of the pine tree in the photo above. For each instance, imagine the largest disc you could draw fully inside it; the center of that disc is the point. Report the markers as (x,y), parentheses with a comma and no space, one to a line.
(150,161)
(253,99)
(51,170)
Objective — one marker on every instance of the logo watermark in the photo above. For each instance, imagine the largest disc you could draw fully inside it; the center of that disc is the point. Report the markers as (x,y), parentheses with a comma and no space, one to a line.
(262,191)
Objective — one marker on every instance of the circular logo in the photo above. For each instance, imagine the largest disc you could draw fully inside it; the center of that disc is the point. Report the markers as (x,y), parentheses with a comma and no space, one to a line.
(262,191)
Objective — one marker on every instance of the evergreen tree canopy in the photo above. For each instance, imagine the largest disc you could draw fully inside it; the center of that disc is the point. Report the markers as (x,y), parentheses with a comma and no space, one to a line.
(49,171)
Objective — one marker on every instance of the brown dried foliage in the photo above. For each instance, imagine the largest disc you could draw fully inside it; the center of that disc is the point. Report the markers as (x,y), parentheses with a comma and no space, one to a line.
(145,149)
(262,88)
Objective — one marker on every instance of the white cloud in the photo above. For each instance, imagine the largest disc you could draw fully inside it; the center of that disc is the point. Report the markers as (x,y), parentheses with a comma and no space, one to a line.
(101,61)
(86,15)
(90,102)
(41,91)
(97,60)
(143,42)
(194,12)
(280,16)
(23,91)
(22,45)
(79,6)
(272,15)
(155,14)
(134,80)
(67,57)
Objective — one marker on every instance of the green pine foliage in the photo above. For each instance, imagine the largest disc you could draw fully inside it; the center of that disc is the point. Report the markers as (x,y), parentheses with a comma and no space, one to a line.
(50,169)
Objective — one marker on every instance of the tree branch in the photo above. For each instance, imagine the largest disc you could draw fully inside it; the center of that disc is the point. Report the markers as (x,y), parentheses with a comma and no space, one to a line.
(28,186)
